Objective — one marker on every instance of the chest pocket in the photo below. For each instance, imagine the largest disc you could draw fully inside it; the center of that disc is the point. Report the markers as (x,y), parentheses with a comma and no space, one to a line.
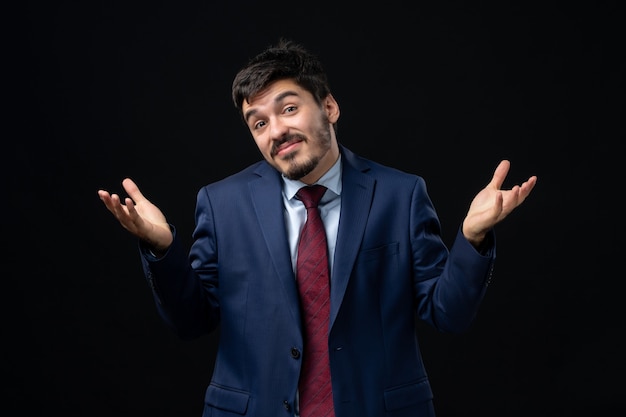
(227,399)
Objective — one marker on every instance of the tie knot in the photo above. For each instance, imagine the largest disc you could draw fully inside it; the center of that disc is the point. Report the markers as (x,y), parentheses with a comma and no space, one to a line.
(310,195)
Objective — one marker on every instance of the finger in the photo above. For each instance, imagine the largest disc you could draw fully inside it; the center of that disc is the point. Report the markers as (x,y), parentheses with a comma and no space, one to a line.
(105,197)
(117,207)
(526,188)
(103,194)
(130,207)
(109,200)
(529,184)
(132,190)
(514,198)
(498,207)
(500,174)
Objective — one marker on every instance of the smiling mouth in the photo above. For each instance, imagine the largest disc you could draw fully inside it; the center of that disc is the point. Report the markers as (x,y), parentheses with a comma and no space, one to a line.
(285,146)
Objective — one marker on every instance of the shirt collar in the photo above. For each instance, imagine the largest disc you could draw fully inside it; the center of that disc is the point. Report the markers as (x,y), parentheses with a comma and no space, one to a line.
(331,180)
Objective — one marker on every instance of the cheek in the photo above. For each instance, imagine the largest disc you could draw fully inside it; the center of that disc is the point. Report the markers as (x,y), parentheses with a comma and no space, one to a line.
(263,144)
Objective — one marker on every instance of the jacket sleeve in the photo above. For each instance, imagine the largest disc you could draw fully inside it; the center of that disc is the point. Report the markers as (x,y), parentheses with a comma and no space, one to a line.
(185,285)
(449,285)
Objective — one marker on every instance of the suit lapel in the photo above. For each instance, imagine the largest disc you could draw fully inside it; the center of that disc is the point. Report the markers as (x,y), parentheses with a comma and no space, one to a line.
(356,198)
(266,192)
(357,194)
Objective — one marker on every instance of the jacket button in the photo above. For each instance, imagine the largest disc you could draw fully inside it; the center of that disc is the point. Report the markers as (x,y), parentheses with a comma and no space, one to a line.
(295,353)
(286,405)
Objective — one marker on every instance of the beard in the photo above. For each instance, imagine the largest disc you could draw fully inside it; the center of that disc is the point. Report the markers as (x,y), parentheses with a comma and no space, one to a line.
(295,171)
(321,137)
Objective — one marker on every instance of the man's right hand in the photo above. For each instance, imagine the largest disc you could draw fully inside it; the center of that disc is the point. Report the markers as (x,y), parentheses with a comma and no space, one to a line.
(139,216)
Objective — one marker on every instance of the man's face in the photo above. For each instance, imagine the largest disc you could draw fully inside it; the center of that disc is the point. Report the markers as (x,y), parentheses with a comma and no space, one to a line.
(293,133)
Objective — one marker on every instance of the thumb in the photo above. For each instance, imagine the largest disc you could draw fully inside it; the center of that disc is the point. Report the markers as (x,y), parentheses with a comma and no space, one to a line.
(132,190)
(500,173)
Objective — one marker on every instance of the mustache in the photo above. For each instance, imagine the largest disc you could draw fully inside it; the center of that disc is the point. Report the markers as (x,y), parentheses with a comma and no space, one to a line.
(285,139)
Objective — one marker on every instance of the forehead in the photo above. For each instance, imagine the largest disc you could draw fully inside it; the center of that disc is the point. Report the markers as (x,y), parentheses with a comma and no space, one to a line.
(275,91)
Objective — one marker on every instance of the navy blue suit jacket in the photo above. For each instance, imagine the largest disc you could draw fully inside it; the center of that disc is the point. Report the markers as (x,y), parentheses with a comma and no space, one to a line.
(391,268)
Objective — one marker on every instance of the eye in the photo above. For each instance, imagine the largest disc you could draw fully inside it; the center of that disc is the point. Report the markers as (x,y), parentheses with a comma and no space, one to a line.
(290,109)
(259,124)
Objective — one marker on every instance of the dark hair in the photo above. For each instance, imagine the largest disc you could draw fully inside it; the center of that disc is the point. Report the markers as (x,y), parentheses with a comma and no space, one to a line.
(284,60)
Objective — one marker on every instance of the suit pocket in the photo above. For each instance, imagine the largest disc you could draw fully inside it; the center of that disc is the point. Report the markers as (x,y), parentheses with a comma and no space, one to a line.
(373,266)
(381,252)
(408,395)
(227,399)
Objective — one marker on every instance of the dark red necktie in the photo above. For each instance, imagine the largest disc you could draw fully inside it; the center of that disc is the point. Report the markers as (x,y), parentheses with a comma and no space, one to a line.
(312,275)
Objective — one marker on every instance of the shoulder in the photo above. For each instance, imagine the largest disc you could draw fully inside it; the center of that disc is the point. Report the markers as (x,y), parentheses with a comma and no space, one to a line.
(378,171)
(255,171)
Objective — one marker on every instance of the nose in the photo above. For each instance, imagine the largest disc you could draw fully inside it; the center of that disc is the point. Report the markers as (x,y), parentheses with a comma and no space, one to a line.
(278,129)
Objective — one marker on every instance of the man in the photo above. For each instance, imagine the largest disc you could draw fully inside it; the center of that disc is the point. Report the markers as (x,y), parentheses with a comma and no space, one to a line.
(388,264)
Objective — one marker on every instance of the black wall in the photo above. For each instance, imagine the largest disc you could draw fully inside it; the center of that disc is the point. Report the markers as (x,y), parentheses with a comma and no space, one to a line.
(97,91)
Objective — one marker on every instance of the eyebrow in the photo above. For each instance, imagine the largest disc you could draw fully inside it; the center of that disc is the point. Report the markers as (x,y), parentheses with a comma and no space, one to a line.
(278,99)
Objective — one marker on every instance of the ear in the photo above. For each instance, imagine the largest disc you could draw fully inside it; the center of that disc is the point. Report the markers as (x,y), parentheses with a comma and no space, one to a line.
(332,108)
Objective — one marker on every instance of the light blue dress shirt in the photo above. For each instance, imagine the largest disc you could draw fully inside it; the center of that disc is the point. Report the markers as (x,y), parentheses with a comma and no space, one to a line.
(330,206)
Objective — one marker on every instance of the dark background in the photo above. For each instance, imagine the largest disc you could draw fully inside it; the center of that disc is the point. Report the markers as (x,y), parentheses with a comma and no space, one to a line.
(97,91)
